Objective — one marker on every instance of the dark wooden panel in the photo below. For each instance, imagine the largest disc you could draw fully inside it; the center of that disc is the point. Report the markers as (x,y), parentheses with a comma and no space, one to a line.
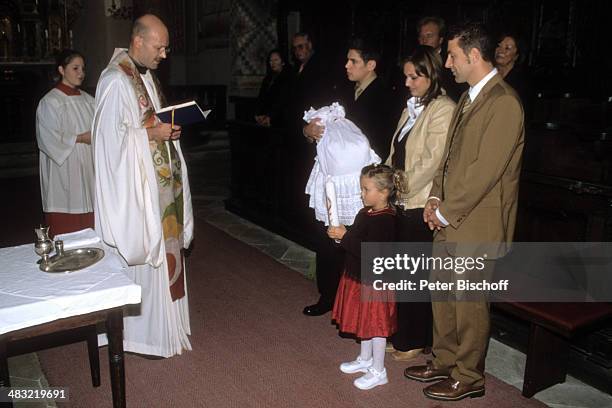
(21,88)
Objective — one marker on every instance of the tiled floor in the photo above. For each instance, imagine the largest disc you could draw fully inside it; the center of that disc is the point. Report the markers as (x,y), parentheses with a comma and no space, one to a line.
(26,373)
(209,175)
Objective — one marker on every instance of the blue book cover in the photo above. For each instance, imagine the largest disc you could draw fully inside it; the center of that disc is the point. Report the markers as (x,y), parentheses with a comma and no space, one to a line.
(184,114)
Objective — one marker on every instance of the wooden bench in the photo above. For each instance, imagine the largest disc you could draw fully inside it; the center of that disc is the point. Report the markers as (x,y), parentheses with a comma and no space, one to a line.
(552,326)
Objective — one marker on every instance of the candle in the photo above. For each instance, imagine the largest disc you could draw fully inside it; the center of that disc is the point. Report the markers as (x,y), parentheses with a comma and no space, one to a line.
(332,203)
(59,37)
(70,36)
(46,34)
(18,28)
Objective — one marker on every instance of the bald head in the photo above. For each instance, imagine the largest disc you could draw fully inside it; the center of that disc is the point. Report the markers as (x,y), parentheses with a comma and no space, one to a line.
(143,25)
(149,41)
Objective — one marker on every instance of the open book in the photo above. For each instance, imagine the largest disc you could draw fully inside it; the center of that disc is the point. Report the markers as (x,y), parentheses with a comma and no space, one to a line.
(184,113)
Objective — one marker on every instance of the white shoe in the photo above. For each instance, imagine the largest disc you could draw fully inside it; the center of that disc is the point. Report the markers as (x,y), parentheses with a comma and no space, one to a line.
(356,366)
(371,379)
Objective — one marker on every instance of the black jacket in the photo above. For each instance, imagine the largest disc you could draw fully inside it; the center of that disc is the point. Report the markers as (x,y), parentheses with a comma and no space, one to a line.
(375,112)
(312,87)
(274,96)
(376,226)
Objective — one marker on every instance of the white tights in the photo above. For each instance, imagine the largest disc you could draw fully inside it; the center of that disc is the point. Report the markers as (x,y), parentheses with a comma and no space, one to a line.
(374,348)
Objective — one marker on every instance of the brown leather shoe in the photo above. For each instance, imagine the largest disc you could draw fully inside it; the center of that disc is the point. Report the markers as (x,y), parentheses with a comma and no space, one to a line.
(452,390)
(406,355)
(426,373)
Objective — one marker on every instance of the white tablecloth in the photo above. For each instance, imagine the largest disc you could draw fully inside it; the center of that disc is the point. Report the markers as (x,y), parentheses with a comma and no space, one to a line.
(29,296)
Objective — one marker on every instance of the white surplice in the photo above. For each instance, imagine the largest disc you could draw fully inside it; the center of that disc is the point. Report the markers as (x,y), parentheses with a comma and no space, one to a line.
(128,216)
(66,167)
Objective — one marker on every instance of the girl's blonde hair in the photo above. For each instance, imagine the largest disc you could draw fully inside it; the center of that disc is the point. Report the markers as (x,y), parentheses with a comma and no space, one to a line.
(385,177)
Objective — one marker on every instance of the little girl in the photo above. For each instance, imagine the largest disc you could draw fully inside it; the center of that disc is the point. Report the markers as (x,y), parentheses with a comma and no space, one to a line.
(371,318)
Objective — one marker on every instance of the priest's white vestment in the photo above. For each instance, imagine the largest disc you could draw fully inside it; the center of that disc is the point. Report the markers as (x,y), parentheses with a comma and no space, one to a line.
(127,210)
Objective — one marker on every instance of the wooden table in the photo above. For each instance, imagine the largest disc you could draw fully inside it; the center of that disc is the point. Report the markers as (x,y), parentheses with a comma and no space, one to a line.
(35,305)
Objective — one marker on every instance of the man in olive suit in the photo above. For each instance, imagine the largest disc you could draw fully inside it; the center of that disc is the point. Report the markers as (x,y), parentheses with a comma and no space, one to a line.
(472,207)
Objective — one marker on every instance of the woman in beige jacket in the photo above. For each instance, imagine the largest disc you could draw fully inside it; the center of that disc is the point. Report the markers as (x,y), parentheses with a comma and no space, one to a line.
(416,149)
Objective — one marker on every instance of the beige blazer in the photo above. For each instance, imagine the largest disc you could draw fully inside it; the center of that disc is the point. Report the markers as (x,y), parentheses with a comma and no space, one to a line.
(480,190)
(424,150)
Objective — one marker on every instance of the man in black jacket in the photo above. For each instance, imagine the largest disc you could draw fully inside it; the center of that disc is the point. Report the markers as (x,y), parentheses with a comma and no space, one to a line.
(372,107)
(369,102)
(312,84)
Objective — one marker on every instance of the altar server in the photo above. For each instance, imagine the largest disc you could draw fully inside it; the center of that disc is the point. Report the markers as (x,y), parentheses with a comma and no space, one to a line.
(63,123)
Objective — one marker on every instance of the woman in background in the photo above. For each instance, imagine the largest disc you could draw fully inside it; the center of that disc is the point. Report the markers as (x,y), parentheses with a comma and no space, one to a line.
(274,92)
(63,122)
(508,58)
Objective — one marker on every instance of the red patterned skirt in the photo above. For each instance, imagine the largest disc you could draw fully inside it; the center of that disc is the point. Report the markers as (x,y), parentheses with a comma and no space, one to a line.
(363,311)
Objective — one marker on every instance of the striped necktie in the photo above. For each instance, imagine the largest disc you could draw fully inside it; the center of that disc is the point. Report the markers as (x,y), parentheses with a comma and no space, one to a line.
(358,91)
(466,106)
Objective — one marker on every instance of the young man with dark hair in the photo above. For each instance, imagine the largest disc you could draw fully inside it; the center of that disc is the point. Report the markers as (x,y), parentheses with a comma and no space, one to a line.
(369,103)
(472,207)
(371,106)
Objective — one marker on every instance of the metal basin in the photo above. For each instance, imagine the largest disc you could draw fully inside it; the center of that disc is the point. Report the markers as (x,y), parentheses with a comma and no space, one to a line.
(73,260)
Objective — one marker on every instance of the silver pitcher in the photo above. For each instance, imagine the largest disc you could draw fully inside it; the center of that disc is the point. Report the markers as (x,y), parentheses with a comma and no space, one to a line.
(43,245)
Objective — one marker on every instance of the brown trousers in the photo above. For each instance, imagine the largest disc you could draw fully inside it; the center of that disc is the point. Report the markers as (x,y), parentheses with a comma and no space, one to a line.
(461,330)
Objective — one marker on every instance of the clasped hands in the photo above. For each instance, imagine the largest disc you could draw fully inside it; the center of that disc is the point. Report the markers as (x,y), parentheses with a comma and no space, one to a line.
(429,215)
(163,132)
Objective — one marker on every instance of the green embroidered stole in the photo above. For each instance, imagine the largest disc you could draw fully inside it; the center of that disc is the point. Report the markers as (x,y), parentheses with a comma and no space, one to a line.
(167,164)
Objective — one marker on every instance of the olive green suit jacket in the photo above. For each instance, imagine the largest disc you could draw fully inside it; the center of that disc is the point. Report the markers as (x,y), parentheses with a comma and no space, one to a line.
(482,158)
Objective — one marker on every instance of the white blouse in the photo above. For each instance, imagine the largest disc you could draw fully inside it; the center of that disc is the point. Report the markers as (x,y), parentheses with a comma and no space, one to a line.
(66,167)
(414,108)
(341,154)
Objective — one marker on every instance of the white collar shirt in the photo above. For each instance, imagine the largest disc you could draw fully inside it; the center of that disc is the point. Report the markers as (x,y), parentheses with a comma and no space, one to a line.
(475,90)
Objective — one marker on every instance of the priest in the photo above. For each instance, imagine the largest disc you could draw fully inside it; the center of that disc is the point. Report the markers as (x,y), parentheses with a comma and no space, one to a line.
(143,203)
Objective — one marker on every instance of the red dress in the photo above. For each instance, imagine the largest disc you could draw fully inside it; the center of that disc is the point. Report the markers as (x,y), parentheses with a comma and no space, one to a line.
(358,308)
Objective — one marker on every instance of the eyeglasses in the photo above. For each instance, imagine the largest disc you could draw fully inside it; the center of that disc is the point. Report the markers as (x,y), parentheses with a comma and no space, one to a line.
(165,50)
(161,49)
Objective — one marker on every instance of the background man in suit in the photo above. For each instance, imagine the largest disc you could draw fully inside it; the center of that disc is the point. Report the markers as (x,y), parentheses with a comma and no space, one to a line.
(472,205)
(431,30)
(310,86)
